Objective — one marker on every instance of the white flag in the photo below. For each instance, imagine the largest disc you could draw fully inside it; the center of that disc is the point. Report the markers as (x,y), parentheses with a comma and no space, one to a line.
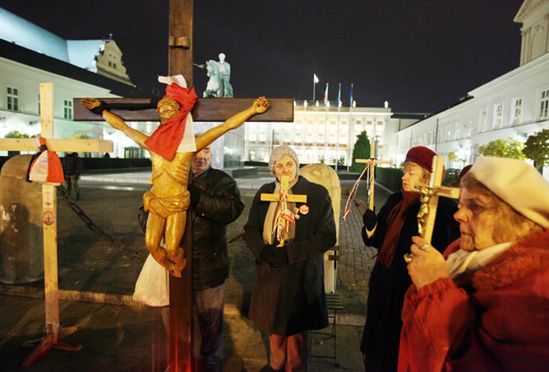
(315,79)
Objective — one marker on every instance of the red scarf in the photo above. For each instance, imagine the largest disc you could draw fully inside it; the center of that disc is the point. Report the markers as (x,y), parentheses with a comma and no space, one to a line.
(166,138)
(395,221)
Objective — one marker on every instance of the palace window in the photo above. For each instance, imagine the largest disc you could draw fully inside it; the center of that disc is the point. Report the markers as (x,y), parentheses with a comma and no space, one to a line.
(12,98)
(517,111)
(67,109)
(498,116)
(483,121)
(544,105)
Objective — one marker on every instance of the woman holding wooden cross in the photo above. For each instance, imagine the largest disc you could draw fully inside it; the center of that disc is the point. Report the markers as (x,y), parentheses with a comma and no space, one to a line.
(288,296)
(486,307)
(391,233)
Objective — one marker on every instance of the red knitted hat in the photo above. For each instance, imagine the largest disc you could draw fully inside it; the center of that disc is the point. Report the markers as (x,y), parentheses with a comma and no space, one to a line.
(422,156)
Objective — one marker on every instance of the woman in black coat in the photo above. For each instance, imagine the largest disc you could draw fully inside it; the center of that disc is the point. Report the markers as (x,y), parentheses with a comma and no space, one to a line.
(392,236)
(288,296)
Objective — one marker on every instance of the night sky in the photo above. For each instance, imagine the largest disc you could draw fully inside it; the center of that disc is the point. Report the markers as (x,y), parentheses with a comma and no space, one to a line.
(421,56)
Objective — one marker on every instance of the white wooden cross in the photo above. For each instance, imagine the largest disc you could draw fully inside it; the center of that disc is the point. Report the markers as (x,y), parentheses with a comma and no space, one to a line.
(283,197)
(54,333)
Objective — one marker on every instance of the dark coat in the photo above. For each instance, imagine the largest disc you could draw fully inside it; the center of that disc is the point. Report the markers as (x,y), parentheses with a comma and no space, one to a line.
(72,164)
(291,299)
(217,203)
(387,286)
(217,206)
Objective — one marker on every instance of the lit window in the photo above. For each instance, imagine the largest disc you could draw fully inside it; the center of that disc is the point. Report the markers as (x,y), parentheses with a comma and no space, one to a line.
(517,111)
(12,98)
(544,105)
(498,116)
(483,121)
(67,109)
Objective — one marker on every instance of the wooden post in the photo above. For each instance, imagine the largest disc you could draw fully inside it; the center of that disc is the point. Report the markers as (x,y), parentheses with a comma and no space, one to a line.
(180,53)
(372,167)
(180,61)
(49,221)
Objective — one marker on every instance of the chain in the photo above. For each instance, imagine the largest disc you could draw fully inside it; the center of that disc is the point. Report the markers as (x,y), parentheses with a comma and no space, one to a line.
(93,227)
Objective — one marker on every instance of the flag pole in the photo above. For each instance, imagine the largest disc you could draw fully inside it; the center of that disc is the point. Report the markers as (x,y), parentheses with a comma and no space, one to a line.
(351,96)
(315,81)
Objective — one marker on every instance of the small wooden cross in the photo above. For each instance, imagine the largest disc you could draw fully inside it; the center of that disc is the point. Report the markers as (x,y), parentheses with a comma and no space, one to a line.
(283,197)
(429,199)
(372,162)
(54,333)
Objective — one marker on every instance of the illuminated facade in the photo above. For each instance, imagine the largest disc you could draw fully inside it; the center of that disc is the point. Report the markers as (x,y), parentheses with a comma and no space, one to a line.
(323,133)
(514,105)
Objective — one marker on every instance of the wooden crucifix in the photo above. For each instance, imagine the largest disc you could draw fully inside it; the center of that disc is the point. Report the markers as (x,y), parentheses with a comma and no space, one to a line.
(283,197)
(429,199)
(372,162)
(54,332)
(211,109)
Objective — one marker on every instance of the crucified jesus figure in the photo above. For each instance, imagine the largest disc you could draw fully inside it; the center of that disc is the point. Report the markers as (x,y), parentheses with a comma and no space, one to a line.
(168,199)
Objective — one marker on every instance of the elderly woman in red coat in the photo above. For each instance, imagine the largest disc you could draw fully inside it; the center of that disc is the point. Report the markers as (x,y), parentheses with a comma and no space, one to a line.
(486,307)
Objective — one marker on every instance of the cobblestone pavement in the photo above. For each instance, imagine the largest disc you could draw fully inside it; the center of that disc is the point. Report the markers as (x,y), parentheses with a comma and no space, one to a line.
(112,335)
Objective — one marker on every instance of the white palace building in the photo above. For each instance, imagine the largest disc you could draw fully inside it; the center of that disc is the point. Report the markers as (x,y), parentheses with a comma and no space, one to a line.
(515,104)
(321,133)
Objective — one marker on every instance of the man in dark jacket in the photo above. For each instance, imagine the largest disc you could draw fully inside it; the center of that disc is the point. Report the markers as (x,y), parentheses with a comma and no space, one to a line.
(215,203)
(288,296)
(72,166)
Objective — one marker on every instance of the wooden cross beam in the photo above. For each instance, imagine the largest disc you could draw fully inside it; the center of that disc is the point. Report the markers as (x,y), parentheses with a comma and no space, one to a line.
(54,333)
(205,110)
(429,199)
(283,197)
(372,162)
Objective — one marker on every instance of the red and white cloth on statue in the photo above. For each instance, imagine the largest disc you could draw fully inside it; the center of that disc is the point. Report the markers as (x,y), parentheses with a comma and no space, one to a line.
(176,134)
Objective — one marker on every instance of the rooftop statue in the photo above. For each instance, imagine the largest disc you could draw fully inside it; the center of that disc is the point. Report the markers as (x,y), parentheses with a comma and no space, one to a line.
(219,73)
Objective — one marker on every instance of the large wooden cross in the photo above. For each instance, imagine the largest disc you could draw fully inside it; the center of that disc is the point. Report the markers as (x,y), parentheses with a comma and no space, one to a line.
(283,197)
(54,333)
(211,109)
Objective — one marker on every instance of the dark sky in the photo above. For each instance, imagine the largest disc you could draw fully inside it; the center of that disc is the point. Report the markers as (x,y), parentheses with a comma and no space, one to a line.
(421,56)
